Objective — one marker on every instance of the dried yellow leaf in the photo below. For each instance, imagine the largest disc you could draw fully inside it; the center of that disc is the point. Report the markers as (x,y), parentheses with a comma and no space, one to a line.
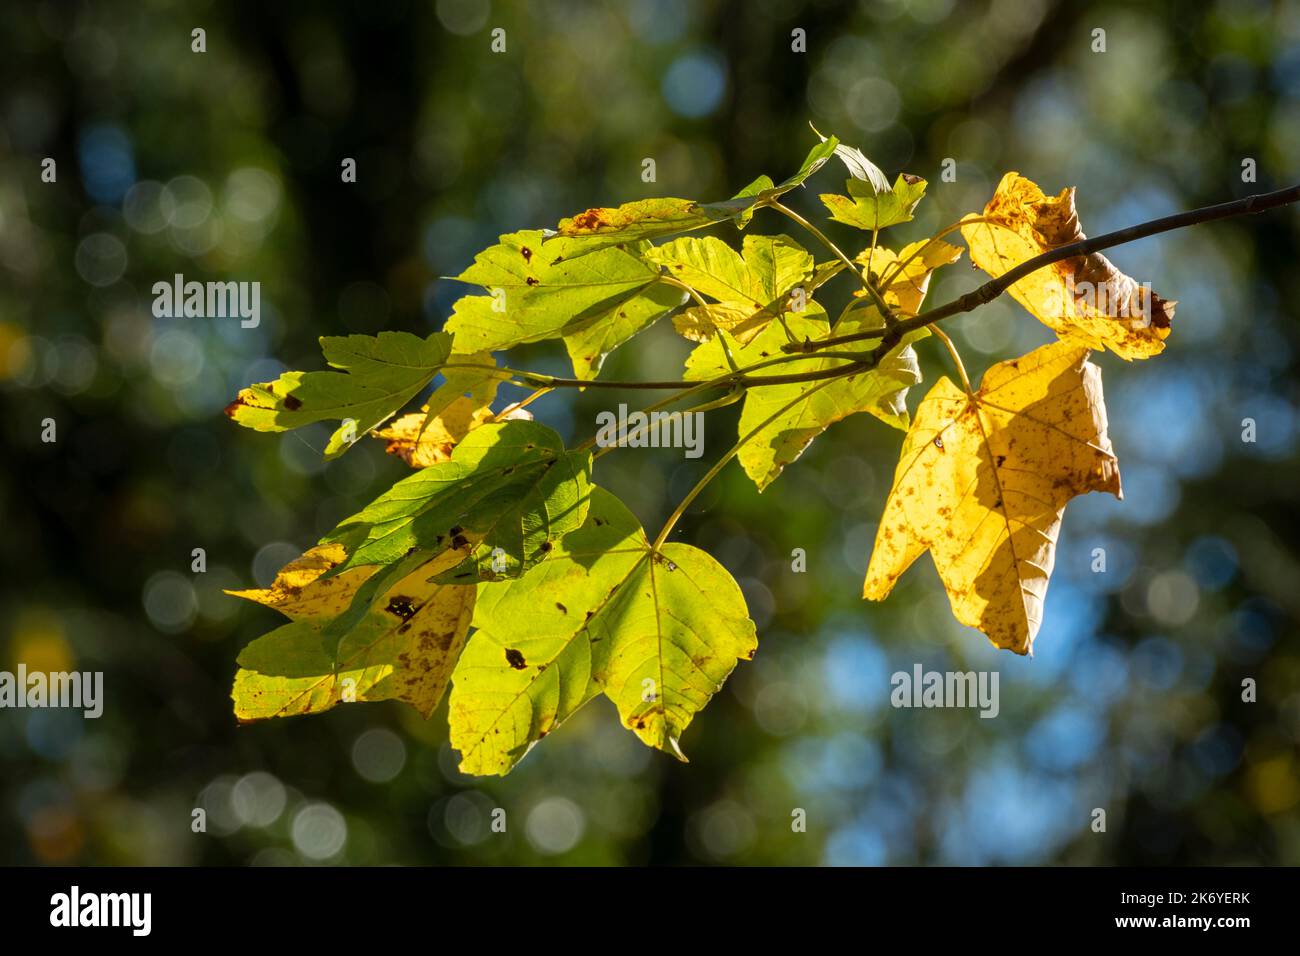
(404,649)
(906,287)
(982,484)
(1085,299)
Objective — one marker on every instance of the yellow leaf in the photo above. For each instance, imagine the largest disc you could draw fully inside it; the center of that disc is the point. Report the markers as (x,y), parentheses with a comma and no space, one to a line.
(906,288)
(982,484)
(1085,299)
(421,441)
(701,322)
(405,648)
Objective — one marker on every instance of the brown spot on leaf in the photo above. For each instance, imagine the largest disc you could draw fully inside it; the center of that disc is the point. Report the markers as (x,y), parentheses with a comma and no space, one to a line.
(403,607)
(526,253)
(590,221)
(292,403)
(515,659)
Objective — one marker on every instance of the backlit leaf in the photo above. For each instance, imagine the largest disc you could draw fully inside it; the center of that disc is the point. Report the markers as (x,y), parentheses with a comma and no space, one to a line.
(656,218)
(906,289)
(982,483)
(881,391)
(658,633)
(868,209)
(751,286)
(595,302)
(508,486)
(404,649)
(1086,300)
(380,374)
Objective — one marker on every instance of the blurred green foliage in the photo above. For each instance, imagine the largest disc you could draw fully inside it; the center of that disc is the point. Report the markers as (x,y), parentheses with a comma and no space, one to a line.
(225,165)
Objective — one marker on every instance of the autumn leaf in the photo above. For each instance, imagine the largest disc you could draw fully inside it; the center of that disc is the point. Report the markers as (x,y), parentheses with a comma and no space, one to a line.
(656,632)
(1085,299)
(751,286)
(458,406)
(657,218)
(594,302)
(508,488)
(866,208)
(982,483)
(380,374)
(404,649)
(880,391)
(421,440)
(906,286)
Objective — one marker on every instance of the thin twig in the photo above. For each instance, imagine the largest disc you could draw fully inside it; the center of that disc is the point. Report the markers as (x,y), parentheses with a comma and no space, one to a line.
(994,288)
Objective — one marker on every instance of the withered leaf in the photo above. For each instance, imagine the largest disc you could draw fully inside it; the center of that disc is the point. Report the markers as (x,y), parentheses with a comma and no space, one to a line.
(1085,299)
(982,484)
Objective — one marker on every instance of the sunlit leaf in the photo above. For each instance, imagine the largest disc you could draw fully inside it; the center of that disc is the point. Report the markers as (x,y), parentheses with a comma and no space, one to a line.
(658,633)
(595,302)
(880,391)
(509,488)
(656,218)
(380,374)
(751,286)
(982,483)
(906,289)
(1086,300)
(868,209)
(404,649)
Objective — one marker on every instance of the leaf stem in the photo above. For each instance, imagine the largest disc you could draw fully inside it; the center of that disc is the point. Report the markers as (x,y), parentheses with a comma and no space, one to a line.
(722,462)
(956,358)
(825,240)
(994,288)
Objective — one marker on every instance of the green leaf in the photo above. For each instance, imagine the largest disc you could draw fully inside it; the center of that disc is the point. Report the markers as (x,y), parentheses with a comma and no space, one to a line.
(658,633)
(381,374)
(881,391)
(751,286)
(655,218)
(595,301)
(527,667)
(404,649)
(872,211)
(510,486)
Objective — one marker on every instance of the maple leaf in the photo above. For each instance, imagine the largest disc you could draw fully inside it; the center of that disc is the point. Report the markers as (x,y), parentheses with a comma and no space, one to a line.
(508,488)
(421,440)
(594,302)
(868,208)
(382,373)
(982,483)
(751,286)
(656,632)
(655,218)
(427,437)
(404,649)
(815,406)
(906,287)
(1085,299)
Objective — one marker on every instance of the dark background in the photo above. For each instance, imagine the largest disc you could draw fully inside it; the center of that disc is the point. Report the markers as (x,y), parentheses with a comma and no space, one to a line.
(225,165)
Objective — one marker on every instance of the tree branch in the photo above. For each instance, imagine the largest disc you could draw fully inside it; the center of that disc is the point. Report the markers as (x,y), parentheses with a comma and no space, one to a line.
(994,288)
